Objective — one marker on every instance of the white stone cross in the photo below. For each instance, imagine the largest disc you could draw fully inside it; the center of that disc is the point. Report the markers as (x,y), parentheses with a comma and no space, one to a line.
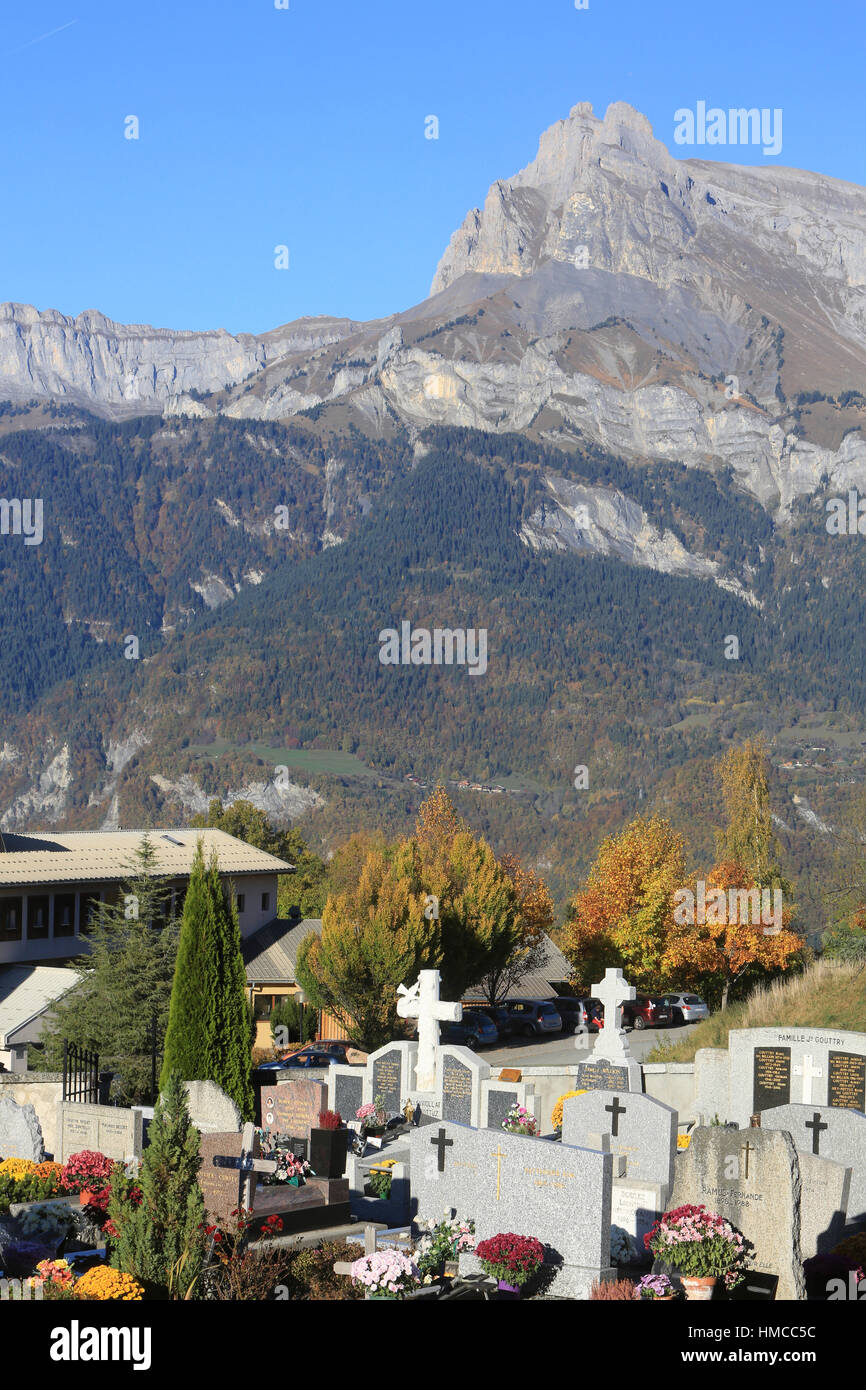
(613,990)
(422,1002)
(808,1072)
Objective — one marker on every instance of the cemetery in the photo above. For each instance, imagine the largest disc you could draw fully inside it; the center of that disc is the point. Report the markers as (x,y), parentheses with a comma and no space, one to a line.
(419,1175)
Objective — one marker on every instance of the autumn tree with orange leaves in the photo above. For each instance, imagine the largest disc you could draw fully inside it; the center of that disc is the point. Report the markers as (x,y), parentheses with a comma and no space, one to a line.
(718,954)
(623,915)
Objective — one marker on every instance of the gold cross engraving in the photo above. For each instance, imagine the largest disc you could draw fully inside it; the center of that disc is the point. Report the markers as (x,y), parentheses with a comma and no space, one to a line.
(498,1155)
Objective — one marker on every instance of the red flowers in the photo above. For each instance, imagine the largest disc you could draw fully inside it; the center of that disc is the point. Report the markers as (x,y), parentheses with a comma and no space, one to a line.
(511,1257)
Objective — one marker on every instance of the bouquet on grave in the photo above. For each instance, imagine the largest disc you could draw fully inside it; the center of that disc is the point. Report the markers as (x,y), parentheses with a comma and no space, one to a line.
(386,1274)
(519,1120)
(699,1243)
(372,1115)
(441,1241)
(291,1170)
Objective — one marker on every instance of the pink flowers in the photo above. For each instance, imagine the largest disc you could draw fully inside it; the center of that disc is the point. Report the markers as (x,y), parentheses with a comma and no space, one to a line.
(366,1112)
(386,1273)
(698,1242)
(519,1120)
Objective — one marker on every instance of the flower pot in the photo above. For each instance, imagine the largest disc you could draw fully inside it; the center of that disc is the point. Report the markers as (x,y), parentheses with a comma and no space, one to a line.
(511,1289)
(328,1152)
(699,1289)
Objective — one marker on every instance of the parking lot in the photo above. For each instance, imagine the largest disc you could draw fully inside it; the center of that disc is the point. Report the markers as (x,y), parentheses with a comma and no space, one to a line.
(562,1050)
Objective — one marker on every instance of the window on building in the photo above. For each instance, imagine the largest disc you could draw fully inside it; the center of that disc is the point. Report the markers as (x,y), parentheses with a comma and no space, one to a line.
(88,912)
(10,919)
(266,901)
(64,914)
(37,917)
(241,901)
(263,1005)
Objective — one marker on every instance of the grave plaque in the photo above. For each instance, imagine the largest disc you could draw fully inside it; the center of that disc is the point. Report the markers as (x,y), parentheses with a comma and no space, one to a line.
(387,1079)
(771,1077)
(498,1105)
(456,1091)
(347,1092)
(601,1076)
(225,1189)
(292,1107)
(847,1081)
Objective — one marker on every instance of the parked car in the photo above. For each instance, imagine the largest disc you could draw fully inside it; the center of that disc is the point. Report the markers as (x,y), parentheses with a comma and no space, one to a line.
(344,1050)
(497,1013)
(574,1012)
(534,1016)
(686,1008)
(646,1011)
(312,1056)
(474,1029)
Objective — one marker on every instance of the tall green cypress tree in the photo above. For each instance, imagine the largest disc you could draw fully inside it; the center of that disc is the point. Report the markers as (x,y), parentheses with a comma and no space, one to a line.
(208,1037)
(230,1060)
(188,1046)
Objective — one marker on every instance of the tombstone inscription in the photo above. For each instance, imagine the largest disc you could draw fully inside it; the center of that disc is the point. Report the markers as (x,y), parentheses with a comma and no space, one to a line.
(456,1082)
(771,1078)
(293,1107)
(387,1080)
(846,1084)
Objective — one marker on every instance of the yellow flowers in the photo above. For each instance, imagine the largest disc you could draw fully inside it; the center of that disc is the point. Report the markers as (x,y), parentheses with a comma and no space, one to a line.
(103,1283)
(683,1141)
(16,1168)
(557,1109)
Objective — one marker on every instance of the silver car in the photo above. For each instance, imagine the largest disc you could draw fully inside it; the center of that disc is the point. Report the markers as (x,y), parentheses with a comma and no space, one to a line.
(686,1008)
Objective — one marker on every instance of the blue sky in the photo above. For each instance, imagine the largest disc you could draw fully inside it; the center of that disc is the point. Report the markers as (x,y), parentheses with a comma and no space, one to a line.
(305,127)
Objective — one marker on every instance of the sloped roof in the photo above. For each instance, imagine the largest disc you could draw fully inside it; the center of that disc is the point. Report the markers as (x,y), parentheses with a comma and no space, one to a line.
(26,991)
(92,856)
(271,952)
(539,983)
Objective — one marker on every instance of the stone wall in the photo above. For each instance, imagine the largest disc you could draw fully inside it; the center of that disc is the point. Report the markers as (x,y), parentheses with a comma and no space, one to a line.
(42,1090)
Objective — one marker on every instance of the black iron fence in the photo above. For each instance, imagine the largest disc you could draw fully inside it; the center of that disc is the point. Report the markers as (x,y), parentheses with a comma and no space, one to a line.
(80,1074)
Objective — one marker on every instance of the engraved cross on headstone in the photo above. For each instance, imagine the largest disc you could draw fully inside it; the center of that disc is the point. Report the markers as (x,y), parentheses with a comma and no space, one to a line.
(422,1002)
(807,1071)
(816,1126)
(615,1110)
(441,1143)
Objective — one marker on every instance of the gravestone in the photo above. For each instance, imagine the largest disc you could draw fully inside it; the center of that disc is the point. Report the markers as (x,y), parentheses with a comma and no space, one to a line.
(752,1178)
(227,1189)
(836,1134)
(292,1107)
(560,1195)
(108,1129)
(769,1067)
(461,1074)
(634,1208)
(20,1132)
(612,1067)
(824,1201)
(345,1090)
(641,1129)
(497,1098)
(391,1075)
(210,1109)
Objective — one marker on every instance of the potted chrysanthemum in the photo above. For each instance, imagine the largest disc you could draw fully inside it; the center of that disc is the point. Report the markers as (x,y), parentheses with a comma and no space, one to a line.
(510,1259)
(702,1246)
(386,1274)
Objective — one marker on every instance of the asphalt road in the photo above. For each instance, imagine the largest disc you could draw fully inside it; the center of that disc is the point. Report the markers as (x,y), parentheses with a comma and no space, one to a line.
(559,1050)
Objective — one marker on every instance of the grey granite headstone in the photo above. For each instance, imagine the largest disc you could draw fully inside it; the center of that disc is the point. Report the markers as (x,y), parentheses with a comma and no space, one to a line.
(390,1073)
(608,1076)
(559,1194)
(461,1074)
(497,1098)
(210,1109)
(642,1129)
(839,1135)
(770,1067)
(752,1178)
(112,1130)
(345,1090)
(824,1201)
(20,1132)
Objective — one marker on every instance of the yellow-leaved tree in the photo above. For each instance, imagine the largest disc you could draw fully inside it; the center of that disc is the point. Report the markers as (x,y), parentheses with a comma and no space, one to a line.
(624,913)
